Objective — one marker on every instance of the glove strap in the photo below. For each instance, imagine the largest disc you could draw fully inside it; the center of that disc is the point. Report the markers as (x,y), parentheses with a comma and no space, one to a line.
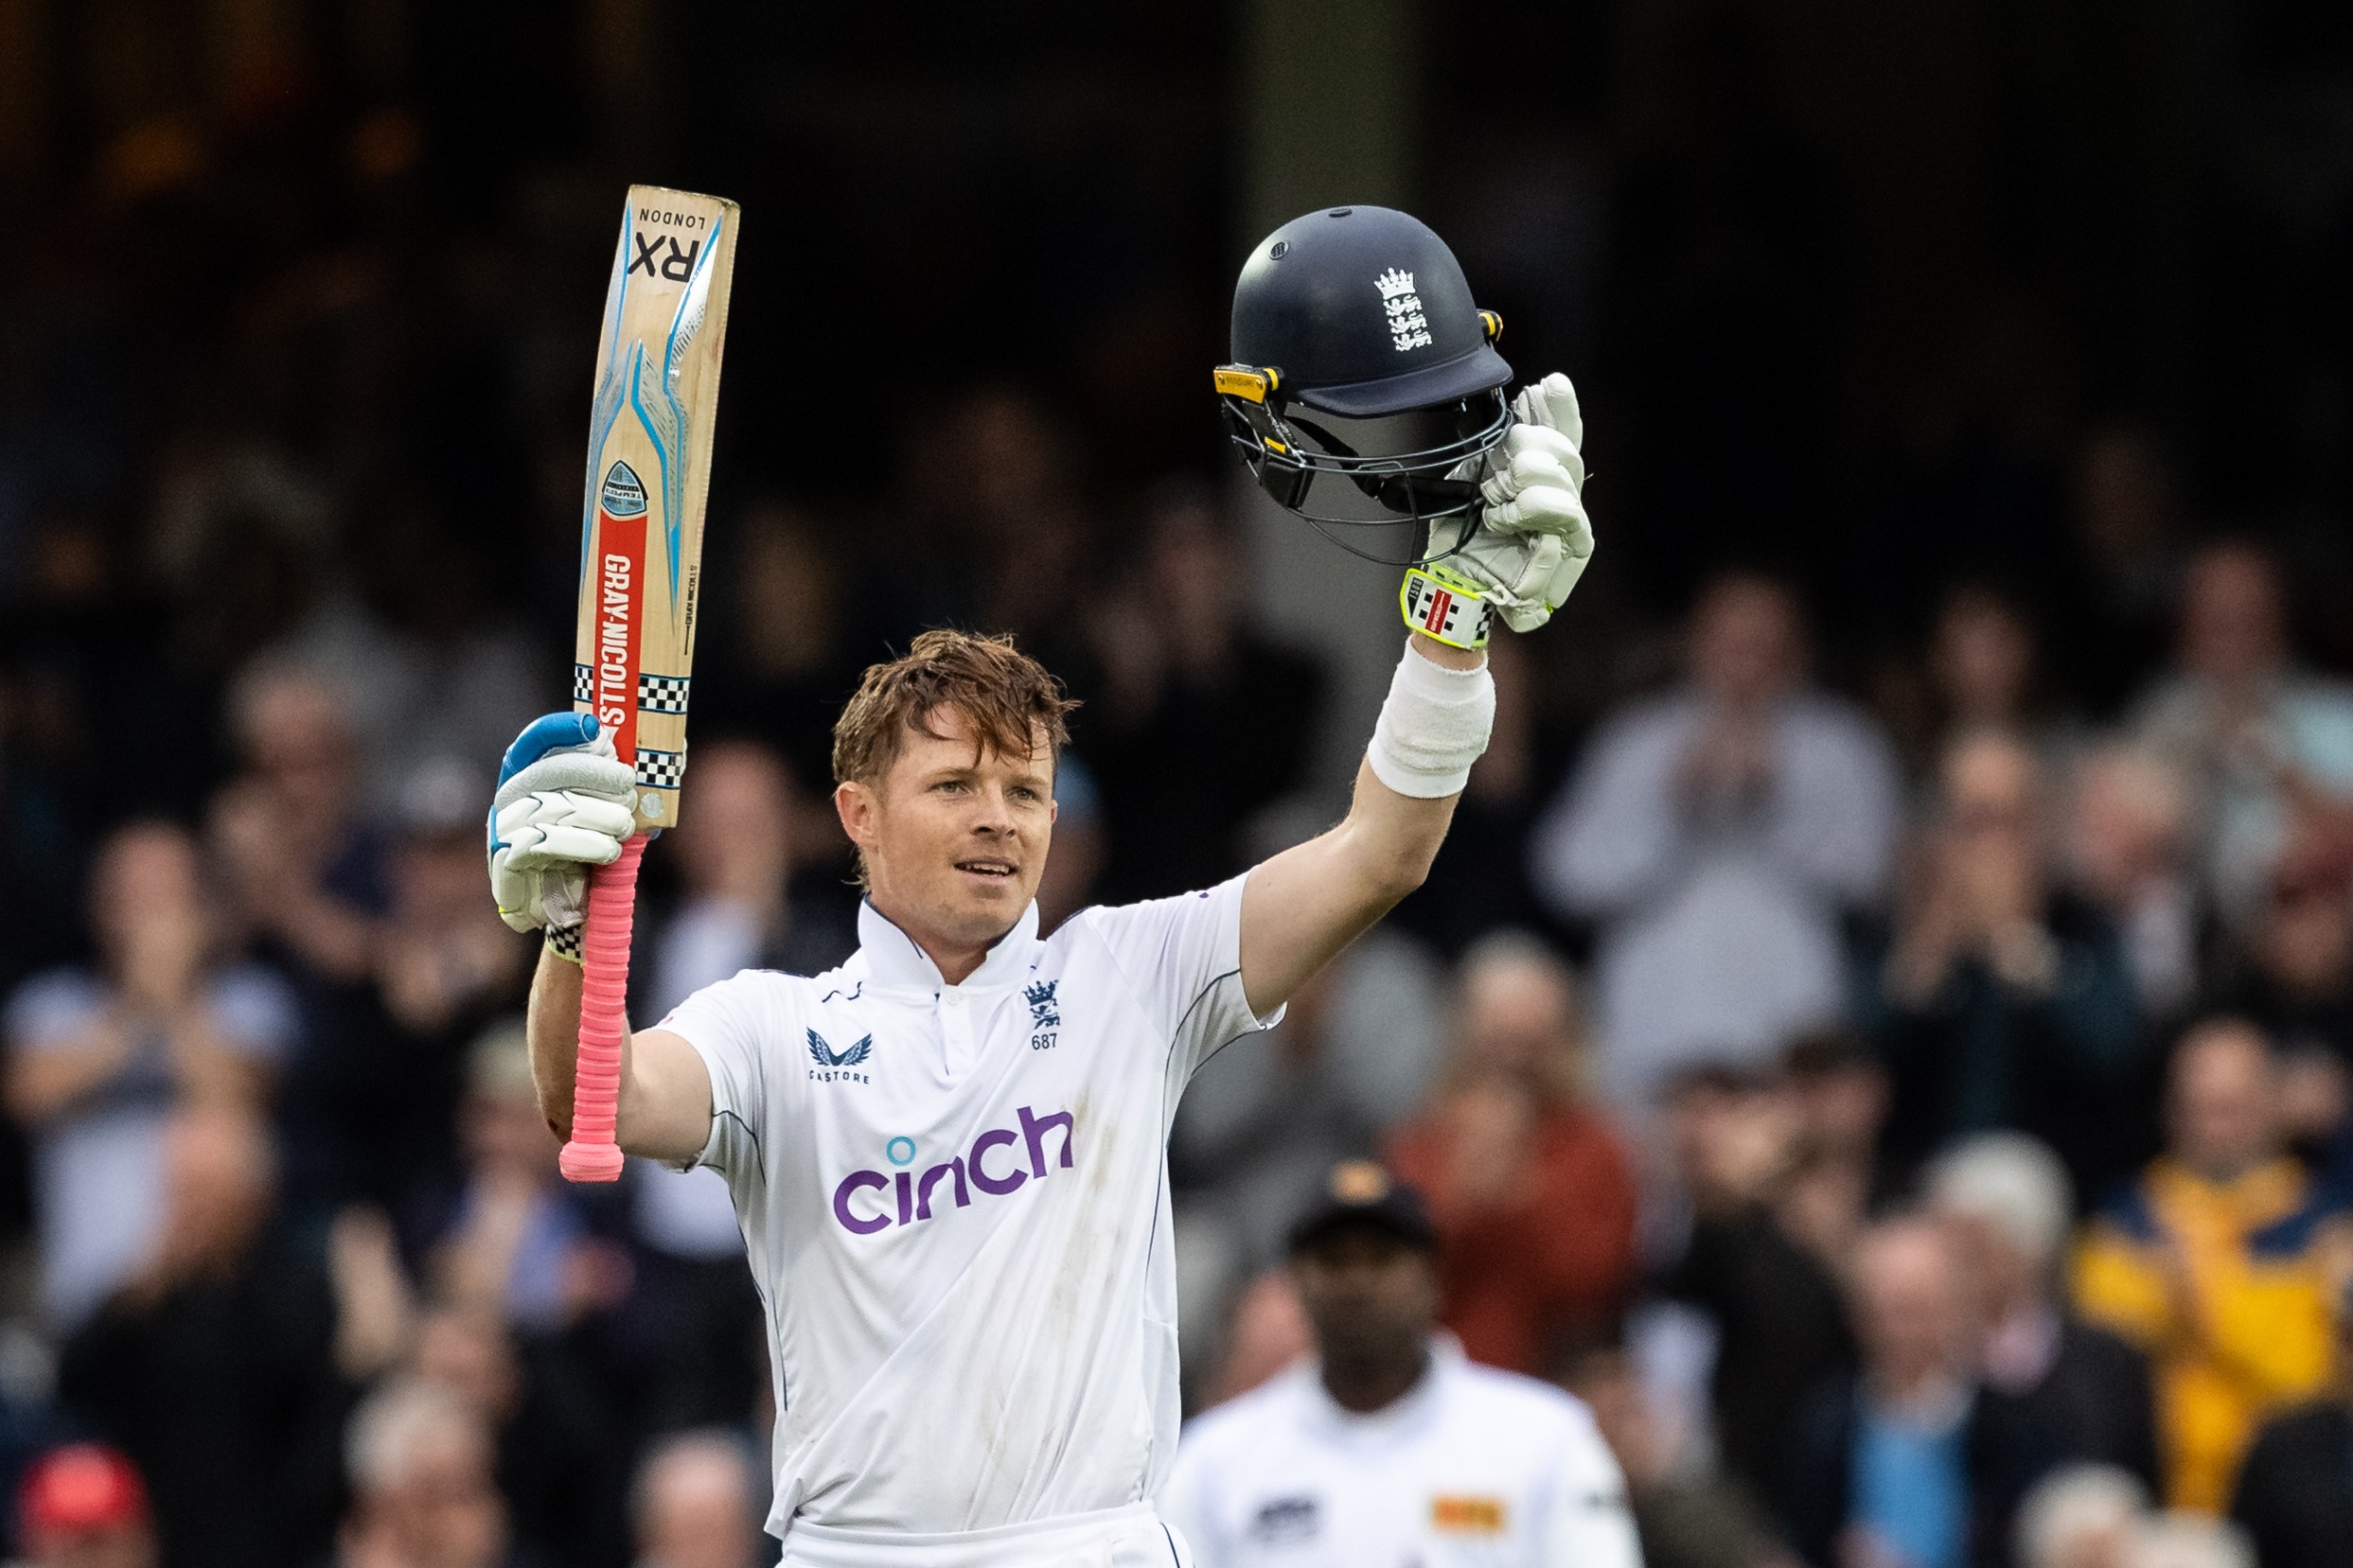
(1445,606)
(564,942)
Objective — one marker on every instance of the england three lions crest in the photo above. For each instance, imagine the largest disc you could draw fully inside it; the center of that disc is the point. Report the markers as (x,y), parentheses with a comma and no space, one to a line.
(1409,327)
(1045,1014)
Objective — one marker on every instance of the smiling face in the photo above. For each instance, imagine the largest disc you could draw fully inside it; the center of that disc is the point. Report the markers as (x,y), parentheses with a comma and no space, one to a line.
(954,836)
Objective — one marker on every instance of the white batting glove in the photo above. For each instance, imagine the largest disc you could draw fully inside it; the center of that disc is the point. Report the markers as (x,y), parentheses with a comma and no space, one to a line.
(564,804)
(1527,545)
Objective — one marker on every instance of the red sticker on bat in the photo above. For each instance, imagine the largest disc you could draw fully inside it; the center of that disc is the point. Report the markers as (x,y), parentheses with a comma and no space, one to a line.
(620,581)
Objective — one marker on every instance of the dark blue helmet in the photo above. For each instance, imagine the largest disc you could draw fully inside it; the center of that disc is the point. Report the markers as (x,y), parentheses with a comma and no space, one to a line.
(1363,374)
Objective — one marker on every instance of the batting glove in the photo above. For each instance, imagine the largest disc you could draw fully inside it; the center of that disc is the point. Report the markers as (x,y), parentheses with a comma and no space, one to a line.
(1525,548)
(565,802)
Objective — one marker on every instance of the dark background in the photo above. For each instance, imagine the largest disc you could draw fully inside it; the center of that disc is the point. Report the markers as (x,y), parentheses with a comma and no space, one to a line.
(298,320)
(1843,287)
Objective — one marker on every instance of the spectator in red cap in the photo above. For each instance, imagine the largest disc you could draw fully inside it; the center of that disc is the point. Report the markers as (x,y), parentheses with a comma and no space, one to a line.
(84,1506)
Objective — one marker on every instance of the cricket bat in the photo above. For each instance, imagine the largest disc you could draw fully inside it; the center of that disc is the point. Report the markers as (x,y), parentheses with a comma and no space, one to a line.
(641,571)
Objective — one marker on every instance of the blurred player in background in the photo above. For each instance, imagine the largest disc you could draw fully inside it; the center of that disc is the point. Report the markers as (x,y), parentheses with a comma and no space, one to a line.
(1390,1447)
(948,1155)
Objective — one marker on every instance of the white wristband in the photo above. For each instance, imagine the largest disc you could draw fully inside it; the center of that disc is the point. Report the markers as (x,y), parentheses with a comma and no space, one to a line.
(1433,727)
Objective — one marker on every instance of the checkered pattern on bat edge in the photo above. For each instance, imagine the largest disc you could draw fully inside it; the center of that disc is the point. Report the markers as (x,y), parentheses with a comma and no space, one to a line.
(583,683)
(660,769)
(660,694)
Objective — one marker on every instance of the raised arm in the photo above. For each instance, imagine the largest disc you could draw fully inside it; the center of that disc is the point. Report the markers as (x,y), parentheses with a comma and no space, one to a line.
(1301,907)
(563,805)
(1516,557)
(666,1090)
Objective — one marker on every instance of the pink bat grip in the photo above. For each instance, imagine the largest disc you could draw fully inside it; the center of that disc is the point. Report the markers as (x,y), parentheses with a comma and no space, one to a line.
(592,1155)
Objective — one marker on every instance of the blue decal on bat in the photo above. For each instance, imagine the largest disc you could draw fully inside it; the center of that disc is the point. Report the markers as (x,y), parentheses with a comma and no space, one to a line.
(606,406)
(695,299)
(662,456)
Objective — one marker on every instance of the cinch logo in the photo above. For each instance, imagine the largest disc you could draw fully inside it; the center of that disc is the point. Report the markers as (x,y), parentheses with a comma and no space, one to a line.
(915,1193)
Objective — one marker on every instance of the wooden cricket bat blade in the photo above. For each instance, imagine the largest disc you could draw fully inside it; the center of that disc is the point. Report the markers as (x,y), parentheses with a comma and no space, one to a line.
(649,476)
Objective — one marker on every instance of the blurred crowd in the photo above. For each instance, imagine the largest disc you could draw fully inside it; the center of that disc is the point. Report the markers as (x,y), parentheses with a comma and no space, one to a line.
(1941,1157)
(1919,1119)
(1881,1030)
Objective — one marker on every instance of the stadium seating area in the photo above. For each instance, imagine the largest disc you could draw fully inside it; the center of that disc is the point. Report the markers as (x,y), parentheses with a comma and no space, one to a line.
(1892,972)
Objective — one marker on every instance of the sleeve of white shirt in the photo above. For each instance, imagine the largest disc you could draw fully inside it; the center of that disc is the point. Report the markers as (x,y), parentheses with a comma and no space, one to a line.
(256,1014)
(1182,957)
(1839,808)
(1617,833)
(1180,1507)
(725,1024)
(48,1011)
(1588,1523)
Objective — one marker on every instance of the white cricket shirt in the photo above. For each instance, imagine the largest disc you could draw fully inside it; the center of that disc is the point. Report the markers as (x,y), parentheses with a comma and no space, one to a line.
(955,1202)
(1471,1466)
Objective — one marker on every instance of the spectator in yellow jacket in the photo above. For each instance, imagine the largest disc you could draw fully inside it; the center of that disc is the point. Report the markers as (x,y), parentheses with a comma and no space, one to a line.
(2218,1261)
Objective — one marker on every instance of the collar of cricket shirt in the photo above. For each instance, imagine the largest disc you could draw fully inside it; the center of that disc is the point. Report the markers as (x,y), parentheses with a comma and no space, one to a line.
(895,963)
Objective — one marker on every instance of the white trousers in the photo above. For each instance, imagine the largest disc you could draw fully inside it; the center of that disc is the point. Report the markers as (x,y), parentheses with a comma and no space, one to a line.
(1132,1537)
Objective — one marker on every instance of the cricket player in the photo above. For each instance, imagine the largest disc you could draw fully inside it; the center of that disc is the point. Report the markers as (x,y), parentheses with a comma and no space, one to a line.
(948,1155)
(1391,1449)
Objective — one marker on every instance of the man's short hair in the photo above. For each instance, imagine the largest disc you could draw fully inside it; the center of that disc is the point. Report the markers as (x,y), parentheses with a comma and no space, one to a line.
(2074,1502)
(390,1422)
(701,1445)
(2014,1182)
(2179,1540)
(1004,696)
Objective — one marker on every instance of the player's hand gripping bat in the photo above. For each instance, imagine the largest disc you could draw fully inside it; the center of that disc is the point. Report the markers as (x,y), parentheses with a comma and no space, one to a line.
(641,553)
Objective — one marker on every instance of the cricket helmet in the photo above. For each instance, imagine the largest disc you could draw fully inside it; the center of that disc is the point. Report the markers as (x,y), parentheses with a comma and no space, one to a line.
(1363,376)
